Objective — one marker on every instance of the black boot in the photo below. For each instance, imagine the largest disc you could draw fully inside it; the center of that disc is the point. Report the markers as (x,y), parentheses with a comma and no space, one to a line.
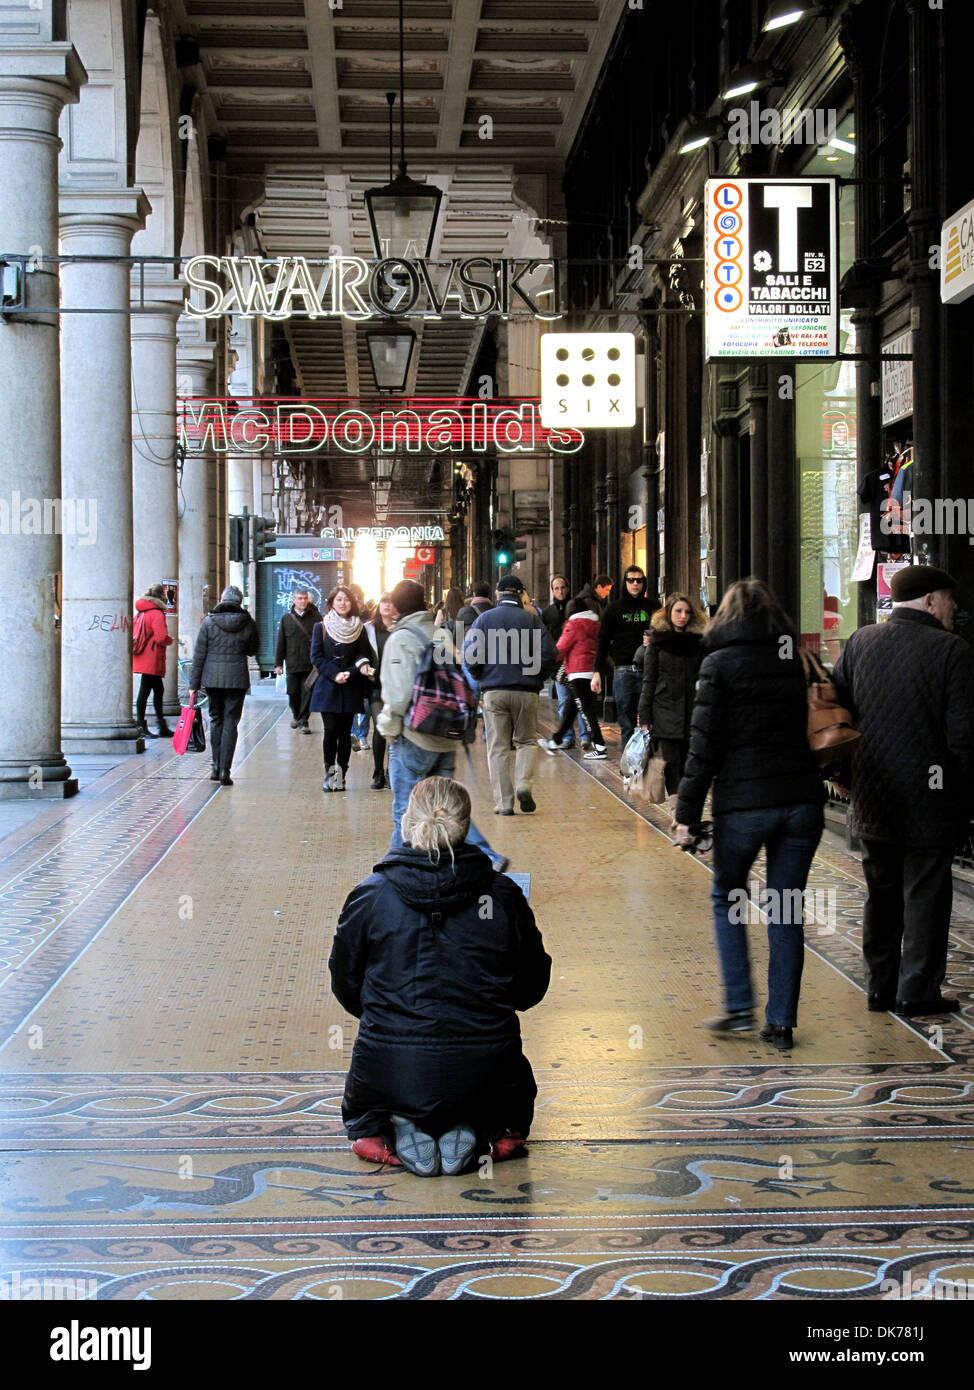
(378,781)
(214,773)
(225,780)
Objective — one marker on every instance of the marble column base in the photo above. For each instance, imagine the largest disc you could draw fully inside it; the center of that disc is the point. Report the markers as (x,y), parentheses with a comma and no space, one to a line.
(77,738)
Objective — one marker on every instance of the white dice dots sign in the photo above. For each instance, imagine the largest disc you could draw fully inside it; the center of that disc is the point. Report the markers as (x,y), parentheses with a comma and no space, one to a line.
(588,380)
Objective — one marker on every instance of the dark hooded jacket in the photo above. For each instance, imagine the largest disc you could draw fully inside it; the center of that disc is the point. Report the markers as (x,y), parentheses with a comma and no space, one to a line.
(226,639)
(623,624)
(670,666)
(435,959)
(749,733)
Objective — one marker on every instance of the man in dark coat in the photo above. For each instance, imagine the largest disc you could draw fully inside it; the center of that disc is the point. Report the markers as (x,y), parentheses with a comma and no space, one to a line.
(436,984)
(479,601)
(225,642)
(294,651)
(910,684)
(553,618)
(620,636)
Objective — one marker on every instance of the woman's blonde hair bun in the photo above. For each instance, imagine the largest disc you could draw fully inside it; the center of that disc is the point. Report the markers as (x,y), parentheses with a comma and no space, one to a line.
(437,816)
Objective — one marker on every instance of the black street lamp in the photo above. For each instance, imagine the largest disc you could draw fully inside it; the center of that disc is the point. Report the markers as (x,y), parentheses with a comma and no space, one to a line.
(403,213)
(390,352)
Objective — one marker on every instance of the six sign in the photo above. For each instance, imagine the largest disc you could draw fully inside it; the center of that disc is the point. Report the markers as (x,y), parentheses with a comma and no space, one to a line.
(588,380)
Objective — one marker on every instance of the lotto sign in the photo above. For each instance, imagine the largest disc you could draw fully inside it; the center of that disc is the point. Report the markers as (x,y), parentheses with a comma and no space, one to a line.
(588,380)
(771,262)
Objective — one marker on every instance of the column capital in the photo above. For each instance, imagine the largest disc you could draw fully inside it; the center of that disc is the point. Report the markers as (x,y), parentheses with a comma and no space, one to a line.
(161,297)
(51,71)
(95,211)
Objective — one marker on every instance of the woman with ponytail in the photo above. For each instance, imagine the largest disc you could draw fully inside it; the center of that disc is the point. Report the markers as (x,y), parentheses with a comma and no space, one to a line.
(436,953)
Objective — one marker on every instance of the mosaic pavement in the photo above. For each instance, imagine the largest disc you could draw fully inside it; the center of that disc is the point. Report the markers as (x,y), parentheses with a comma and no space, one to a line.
(171,1065)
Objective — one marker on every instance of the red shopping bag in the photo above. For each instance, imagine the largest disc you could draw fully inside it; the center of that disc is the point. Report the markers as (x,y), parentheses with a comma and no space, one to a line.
(180,739)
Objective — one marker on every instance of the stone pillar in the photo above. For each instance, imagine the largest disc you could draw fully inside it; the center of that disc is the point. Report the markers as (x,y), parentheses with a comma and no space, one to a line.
(37,80)
(194,378)
(96,463)
(154,490)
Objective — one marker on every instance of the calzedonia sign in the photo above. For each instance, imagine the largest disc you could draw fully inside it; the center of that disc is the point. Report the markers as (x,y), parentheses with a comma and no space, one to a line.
(352,288)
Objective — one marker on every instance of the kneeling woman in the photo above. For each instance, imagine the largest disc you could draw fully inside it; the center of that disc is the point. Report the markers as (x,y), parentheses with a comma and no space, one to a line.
(435,953)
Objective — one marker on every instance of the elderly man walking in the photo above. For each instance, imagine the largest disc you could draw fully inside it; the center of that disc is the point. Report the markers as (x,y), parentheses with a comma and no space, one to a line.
(509,653)
(910,682)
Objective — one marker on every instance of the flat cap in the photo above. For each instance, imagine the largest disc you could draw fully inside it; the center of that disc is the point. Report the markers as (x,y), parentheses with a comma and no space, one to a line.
(916,581)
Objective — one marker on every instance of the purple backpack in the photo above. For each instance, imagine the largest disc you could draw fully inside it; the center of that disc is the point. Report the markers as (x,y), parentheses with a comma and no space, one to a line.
(443,703)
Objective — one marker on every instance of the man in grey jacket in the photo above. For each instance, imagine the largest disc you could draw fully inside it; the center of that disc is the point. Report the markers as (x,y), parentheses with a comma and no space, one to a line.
(226,640)
(910,684)
(413,755)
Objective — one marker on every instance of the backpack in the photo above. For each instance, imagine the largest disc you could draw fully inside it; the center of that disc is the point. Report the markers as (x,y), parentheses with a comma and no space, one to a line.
(443,704)
(140,634)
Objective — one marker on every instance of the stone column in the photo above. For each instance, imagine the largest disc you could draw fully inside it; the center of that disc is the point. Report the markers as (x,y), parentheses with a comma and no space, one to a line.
(96,463)
(195,378)
(154,491)
(36,81)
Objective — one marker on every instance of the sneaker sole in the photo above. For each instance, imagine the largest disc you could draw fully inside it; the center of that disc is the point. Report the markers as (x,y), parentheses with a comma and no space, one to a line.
(458,1158)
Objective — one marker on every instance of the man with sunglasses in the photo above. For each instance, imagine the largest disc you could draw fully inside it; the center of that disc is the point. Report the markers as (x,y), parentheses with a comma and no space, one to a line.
(620,637)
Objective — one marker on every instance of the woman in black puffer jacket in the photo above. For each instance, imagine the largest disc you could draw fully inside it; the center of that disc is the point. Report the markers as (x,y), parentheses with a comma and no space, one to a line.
(749,737)
(670,665)
(435,953)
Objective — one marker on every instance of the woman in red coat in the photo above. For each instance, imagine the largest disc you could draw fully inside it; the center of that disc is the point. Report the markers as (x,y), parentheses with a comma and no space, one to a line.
(150,638)
(577,646)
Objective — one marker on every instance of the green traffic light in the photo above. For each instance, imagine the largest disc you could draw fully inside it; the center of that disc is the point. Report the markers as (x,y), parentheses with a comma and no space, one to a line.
(503,558)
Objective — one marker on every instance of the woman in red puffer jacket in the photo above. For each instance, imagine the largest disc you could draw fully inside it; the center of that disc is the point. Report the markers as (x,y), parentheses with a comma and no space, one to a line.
(150,638)
(576,646)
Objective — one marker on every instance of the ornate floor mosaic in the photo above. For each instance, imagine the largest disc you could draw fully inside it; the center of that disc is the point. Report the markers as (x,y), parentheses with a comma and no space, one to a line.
(172,1064)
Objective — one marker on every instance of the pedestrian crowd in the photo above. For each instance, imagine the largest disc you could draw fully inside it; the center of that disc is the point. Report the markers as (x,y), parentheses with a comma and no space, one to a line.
(437,950)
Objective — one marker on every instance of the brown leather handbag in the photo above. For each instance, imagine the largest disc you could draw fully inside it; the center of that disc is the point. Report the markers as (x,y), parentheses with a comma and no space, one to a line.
(832,733)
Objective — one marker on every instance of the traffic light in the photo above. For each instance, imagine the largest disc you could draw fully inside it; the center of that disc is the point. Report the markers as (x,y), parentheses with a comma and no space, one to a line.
(264,537)
(520,548)
(238,539)
(503,545)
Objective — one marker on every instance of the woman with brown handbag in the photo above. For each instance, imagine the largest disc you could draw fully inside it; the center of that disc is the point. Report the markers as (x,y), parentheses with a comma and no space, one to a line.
(749,737)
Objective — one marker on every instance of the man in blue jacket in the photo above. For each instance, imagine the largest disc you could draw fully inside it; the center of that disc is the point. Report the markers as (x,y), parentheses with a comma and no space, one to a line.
(510,654)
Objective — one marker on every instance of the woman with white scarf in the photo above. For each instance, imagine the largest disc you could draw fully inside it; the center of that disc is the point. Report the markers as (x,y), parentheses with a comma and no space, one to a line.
(342,656)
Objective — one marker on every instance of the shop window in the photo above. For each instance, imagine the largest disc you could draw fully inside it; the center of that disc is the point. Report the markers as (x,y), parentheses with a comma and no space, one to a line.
(825,440)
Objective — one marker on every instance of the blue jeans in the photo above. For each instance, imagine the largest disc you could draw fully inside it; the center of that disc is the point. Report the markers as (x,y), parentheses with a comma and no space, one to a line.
(566,698)
(790,835)
(360,724)
(409,764)
(626,689)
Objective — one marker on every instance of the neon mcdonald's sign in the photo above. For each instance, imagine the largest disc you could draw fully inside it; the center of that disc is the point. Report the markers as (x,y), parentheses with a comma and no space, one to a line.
(432,425)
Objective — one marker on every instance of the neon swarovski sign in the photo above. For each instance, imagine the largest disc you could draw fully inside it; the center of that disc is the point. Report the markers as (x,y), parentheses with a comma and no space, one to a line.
(419,425)
(352,288)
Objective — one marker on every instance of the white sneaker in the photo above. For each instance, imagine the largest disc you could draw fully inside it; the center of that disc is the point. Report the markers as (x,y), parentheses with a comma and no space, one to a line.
(596,754)
(549,745)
